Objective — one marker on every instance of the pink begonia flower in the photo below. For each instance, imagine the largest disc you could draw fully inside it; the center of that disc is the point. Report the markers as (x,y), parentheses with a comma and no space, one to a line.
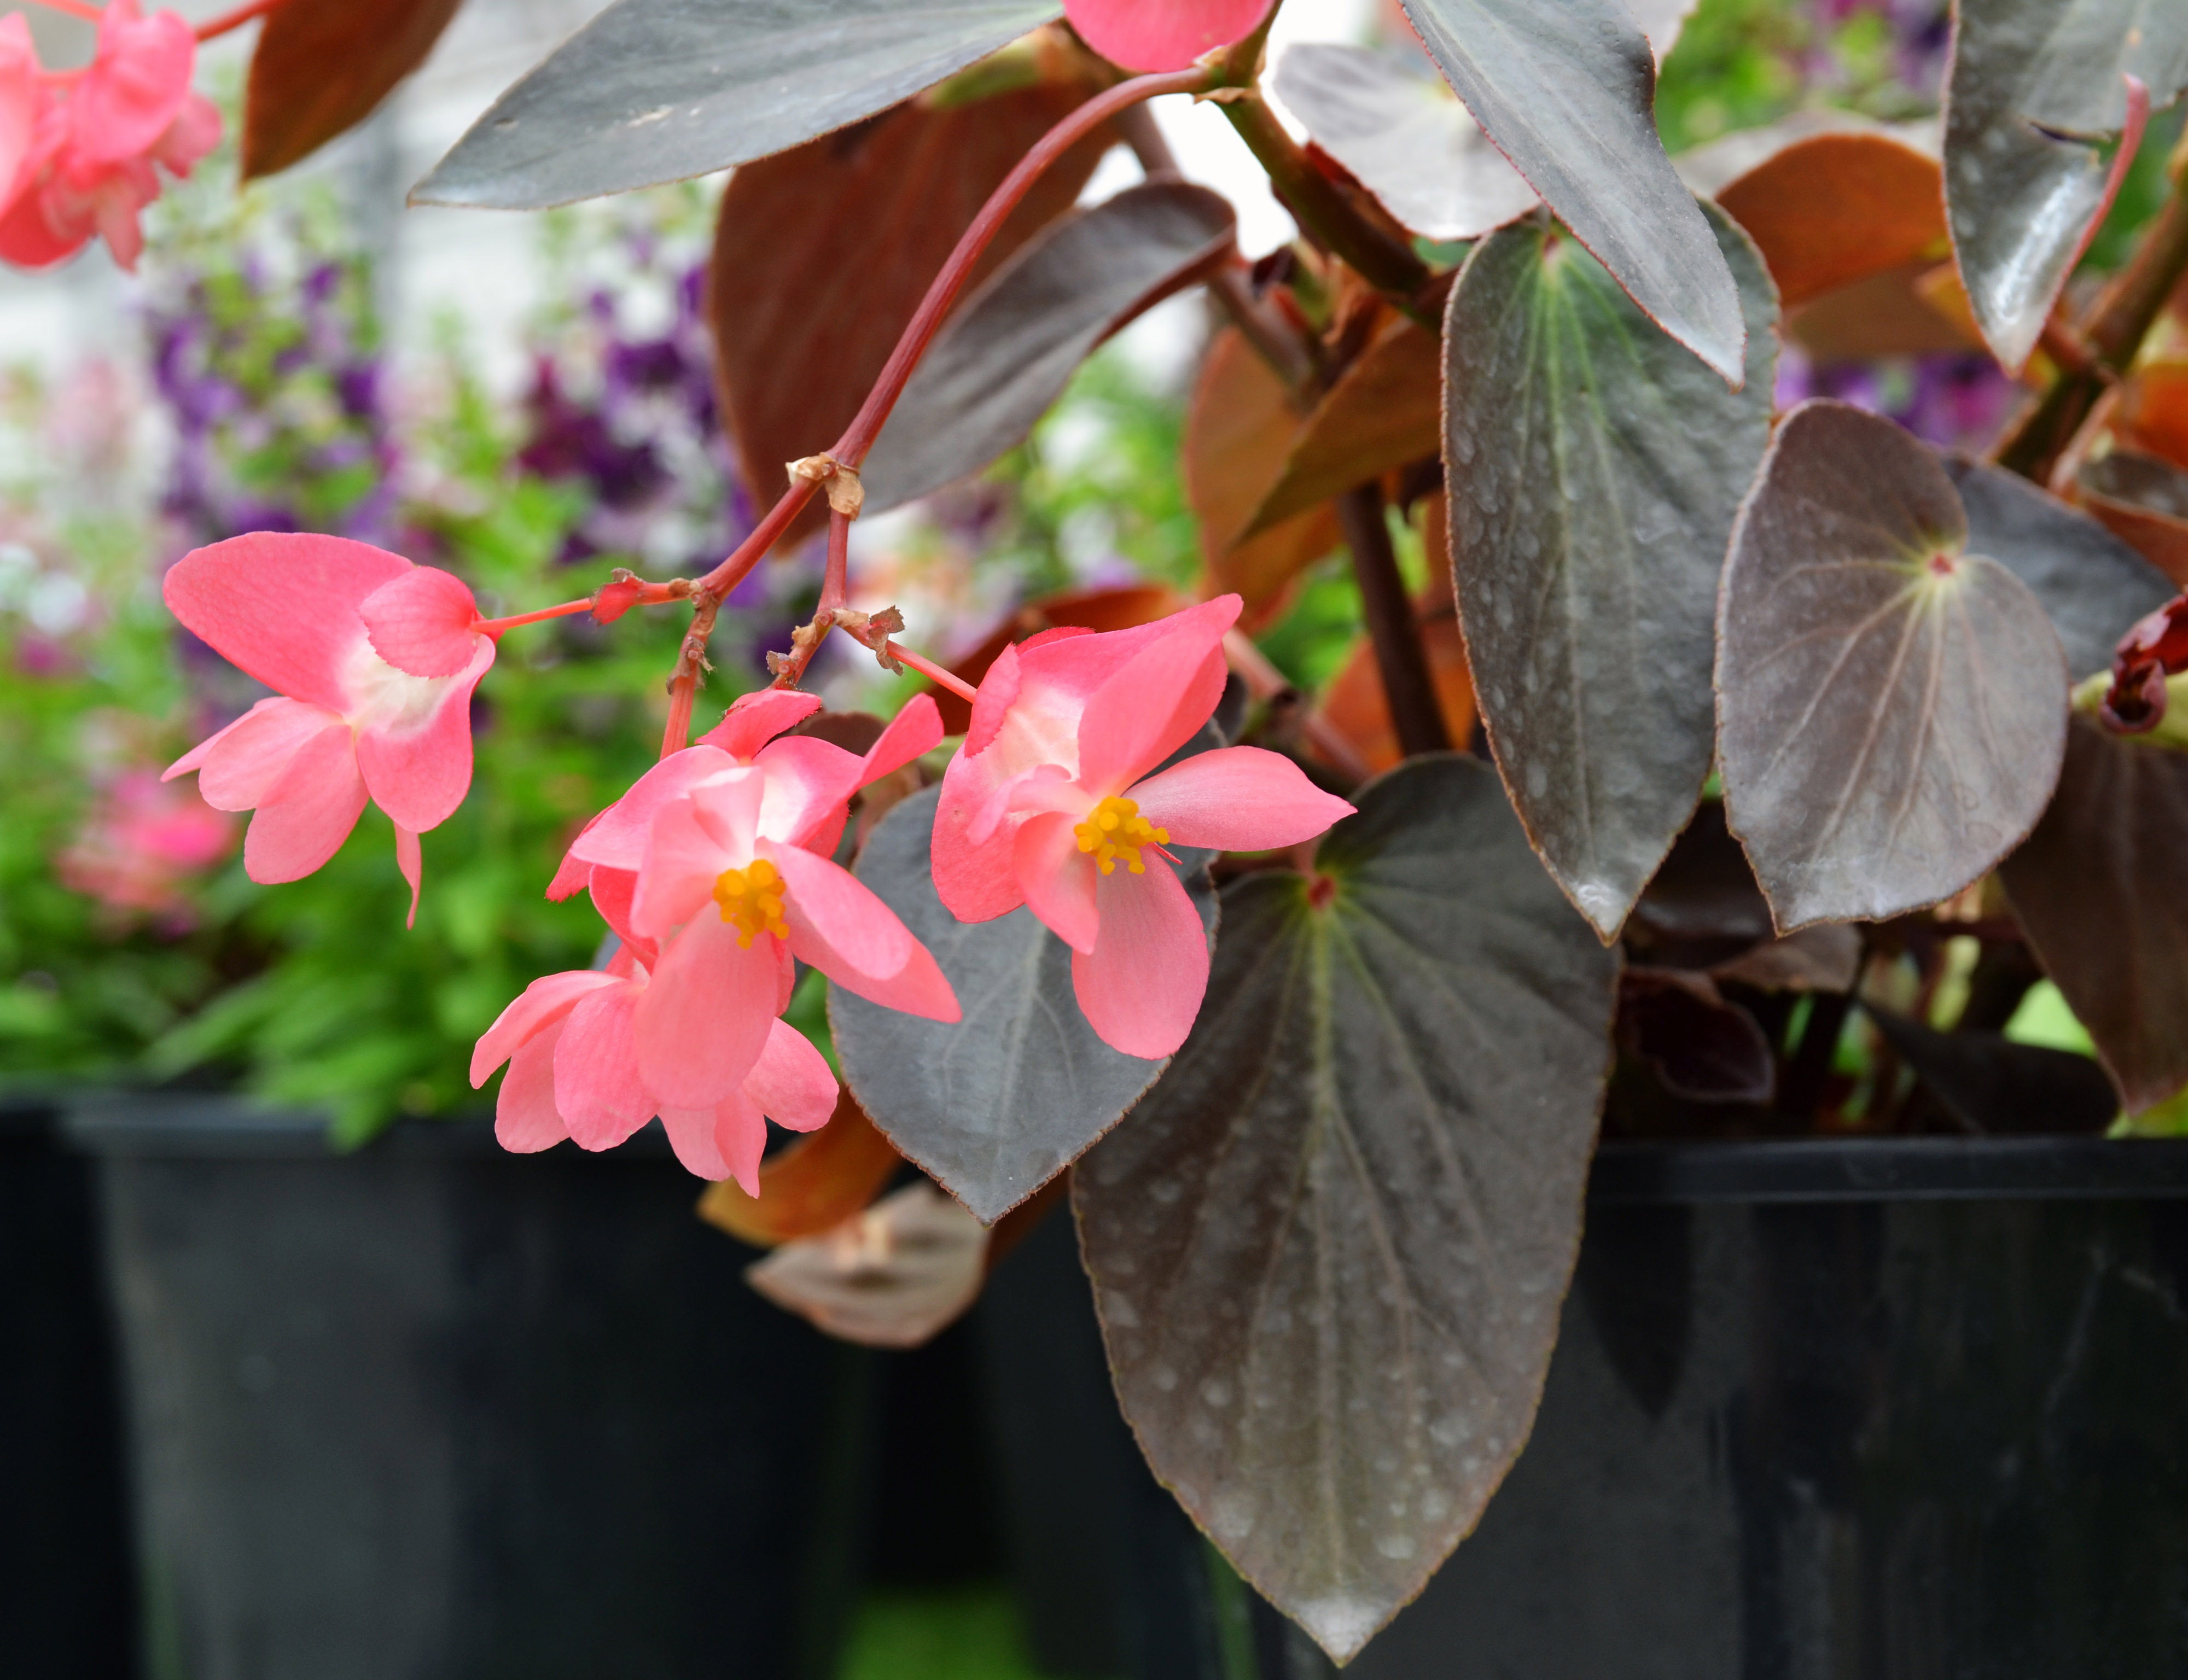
(141,842)
(1162,34)
(571,1043)
(373,660)
(1051,805)
(97,136)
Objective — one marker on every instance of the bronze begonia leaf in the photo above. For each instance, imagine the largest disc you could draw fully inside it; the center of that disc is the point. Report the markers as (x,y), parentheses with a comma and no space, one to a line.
(322,66)
(1892,708)
(1328,1249)
(1594,474)
(2143,501)
(2101,890)
(664,90)
(1011,348)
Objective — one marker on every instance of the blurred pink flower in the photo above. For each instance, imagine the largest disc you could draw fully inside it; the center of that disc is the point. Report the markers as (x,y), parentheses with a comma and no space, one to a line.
(85,166)
(142,842)
(1162,34)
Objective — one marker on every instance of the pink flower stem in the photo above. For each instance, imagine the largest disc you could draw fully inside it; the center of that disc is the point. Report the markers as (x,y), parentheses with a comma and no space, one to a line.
(74,8)
(933,673)
(212,28)
(494,627)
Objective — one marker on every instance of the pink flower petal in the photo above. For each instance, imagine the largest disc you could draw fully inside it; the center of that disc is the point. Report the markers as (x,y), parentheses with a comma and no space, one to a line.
(410,858)
(192,136)
(684,858)
(19,101)
(792,1082)
(418,761)
(691,1135)
(1058,879)
(916,728)
(137,84)
(992,699)
(614,893)
(283,607)
(741,1136)
(756,718)
(1141,987)
(241,765)
(1156,702)
(807,782)
(525,1121)
(546,1000)
(573,874)
(1162,34)
(309,813)
(618,836)
(421,622)
(974,877)
(1063,672)
(919,987)
(597,1090)
(837,923)
(1237,800)
(704,1019)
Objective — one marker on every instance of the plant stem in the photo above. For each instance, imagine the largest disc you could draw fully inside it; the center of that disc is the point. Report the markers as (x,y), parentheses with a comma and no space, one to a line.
(227,21)
(494,627)
(690,661)
(933,673)
(1265,682)
(836,583)
(1408,686)
(73,9)
(1356,230)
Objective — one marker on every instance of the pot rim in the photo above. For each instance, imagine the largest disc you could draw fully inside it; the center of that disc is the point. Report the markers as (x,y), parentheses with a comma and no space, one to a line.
(1636,1173)
(174,1126)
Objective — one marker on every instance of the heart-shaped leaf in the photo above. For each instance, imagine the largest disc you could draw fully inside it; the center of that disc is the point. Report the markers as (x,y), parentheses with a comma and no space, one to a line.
(996,1104)
(1595,473)
(2102,889)
(1328,1249)
(2094,587)
(1385,412)
(2143,501)
(664,90)
(1568,93)
(1829,197)
(1395,125)
(322,66)
(2034,83)
(822,254)
(1892,708)
(1012,347)
(1239,431)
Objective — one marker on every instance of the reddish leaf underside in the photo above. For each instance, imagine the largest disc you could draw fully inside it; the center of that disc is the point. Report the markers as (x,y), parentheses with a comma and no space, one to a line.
(2143,501)
(322,66)
(811,1187)
(822,253)
(1833,209)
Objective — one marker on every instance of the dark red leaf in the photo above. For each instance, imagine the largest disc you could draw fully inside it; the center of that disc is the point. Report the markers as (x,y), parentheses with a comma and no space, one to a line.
(322,66)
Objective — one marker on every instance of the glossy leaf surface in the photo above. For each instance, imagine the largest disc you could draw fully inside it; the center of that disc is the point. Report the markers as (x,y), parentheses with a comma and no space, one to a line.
(1328,1249)
(1568,93)
(1385,412)
(2102,889)
(1595,473)
(1010,349)
(322,66)
(1892,708)
(2094,586)
(812,1186)
(662,90)
(996,1104)
(2034,83)
(821,255)
(1238,433)
(2143,501)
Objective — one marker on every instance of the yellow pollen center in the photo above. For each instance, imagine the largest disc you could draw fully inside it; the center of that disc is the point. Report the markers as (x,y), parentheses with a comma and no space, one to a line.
(1115,829)
(750,899)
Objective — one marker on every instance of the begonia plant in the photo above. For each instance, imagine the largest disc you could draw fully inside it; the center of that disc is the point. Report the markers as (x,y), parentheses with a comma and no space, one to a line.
(1779,705)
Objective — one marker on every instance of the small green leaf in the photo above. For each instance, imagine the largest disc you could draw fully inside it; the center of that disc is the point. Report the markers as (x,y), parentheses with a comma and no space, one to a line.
(1328,1249)
(1595,471)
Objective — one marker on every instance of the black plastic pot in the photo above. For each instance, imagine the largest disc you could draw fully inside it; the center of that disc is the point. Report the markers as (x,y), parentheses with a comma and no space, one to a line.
(1892,1410)
(439,1412)
(66,1607)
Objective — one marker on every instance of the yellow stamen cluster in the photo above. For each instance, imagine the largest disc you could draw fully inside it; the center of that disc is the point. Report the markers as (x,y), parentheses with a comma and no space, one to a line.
(750,899)
(1115,829)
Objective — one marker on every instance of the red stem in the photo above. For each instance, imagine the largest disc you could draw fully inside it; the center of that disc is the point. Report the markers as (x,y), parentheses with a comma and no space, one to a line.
(835,586)
(933,673)
(494,627)
(228,21)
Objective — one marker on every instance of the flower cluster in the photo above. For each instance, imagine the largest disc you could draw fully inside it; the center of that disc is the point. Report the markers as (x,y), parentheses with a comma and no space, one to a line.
(716,870)
(78,148)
